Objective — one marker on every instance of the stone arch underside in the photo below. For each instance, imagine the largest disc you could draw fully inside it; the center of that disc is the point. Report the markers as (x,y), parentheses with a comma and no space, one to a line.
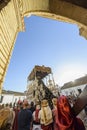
(12,22)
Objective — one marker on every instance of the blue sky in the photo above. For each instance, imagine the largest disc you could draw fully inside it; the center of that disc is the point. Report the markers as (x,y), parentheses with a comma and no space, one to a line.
(50,43)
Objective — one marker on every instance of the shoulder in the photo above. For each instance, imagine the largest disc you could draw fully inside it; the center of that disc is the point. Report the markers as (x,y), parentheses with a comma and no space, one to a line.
(29,113)
(33,113)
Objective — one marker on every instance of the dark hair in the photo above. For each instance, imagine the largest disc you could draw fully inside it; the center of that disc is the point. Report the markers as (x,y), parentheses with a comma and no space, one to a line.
(32,104)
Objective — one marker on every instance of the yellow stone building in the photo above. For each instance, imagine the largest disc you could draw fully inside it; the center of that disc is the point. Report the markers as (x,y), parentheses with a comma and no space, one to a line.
(12,13)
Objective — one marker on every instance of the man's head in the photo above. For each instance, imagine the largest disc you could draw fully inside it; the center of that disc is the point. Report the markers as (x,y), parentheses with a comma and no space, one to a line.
(25,103)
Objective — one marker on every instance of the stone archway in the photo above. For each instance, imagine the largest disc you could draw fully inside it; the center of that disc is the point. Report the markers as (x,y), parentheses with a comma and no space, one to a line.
(12,15)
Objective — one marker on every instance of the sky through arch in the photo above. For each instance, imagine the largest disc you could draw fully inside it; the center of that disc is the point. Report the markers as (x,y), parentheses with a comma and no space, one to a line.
(50,43)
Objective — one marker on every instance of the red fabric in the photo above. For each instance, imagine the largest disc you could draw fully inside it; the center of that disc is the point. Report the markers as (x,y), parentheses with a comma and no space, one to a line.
(55,118)
(66,119)
(15,124)
(80,125)
(36,115)
(48,127)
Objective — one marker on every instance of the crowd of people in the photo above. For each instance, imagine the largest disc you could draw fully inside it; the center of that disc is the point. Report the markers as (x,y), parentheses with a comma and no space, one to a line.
(40,116)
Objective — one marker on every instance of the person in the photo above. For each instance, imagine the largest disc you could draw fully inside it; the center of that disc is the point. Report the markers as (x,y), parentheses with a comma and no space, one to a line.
(85,109)
(45,116)
(32,107)
(66,117)
(15,123)
(6,118)
(25,117)
(36,121)
(55,113)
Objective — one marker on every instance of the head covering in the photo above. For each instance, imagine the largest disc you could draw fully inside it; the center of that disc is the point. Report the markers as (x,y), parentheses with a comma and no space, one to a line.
(44,103)
(66,118)
(54,101)
(45,113)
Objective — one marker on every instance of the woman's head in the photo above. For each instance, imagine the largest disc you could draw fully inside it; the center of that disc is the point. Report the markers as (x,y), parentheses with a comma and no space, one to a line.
(37,107)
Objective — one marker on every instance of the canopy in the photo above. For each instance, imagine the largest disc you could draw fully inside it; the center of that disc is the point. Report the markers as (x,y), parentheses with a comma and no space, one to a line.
(39,72)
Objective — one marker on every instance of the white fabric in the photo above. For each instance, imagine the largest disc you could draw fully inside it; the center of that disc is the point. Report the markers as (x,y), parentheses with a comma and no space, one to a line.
(36,127)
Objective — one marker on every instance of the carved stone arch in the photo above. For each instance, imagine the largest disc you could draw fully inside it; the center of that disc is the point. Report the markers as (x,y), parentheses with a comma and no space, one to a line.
(12,21)
(59,10)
